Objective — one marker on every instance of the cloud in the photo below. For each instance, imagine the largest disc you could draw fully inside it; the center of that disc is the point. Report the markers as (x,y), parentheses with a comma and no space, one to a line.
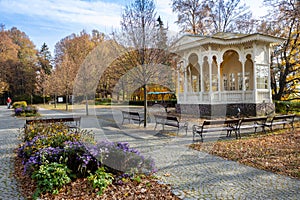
(51,20)
(85,13)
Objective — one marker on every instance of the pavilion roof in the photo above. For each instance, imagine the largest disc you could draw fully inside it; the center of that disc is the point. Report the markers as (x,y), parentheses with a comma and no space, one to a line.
(222,38)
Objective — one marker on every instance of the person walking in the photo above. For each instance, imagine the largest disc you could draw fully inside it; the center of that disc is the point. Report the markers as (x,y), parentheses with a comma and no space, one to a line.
(8,101)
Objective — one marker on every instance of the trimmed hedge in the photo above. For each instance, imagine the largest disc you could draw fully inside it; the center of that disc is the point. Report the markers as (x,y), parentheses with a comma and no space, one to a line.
(169,103)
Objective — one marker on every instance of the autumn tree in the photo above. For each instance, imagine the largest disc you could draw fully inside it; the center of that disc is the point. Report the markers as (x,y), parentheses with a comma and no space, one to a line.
(70,53)
(283,21)
(8,55)
(93,67)
(208,17)
(18,63)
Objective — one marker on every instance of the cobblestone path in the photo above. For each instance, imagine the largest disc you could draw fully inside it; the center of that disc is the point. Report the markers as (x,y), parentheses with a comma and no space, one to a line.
(9,127)
(192,174)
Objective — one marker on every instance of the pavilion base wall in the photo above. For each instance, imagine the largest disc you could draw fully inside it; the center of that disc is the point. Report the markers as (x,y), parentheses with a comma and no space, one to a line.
(219,110)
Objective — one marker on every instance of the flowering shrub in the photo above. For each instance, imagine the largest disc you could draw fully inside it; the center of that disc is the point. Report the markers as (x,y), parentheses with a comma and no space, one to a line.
(18,111)
(19,104)
(119,156)
(52,154)
(58,132)
(25,111)
(55,143)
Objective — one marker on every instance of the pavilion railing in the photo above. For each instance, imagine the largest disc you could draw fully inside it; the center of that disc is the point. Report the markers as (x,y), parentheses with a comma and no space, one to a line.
(223,97)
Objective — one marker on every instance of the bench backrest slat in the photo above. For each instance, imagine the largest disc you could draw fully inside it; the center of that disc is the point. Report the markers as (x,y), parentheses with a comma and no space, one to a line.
(54,120)
(134,113)
(254,119)
(279,117)
(220,122)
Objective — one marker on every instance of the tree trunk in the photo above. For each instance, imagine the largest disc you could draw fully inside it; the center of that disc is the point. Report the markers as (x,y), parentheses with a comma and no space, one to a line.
(86,105)
(67,101)
(145,105)
(55,105)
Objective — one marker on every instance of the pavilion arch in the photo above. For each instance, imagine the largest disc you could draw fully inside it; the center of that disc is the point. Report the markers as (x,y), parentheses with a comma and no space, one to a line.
(206,75)
(214,74)
(237,50)
(231,71)
(193,73)
(249,73)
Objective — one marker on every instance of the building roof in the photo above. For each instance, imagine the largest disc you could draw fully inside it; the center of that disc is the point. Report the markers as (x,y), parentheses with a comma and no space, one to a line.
(222,38)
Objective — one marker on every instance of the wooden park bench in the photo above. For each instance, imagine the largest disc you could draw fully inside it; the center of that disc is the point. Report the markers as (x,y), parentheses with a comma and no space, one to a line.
(227,125)
(132,115)
(281,120)
(251,123)
(170,120)
(71,122)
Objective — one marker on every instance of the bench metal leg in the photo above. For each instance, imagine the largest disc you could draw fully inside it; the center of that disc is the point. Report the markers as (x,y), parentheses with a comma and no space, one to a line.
(200,134)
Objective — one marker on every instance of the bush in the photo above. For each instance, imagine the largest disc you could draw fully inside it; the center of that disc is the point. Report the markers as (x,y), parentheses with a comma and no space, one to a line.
(19,104)
(287,106)
(100,179)
(50,177)
(103,101)
(120,157)
(34,99)
(168,103)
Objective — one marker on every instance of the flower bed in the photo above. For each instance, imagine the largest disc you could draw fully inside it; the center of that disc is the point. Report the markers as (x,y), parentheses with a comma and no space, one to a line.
(55,158)
(22,109)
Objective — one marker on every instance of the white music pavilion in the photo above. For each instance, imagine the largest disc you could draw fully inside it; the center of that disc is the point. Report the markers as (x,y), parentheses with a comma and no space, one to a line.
(225,70)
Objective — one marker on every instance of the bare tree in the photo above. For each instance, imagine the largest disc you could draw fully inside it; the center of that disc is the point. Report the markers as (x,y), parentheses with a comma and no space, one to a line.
(208,17)
(229,16)
(192,16)
(140,34)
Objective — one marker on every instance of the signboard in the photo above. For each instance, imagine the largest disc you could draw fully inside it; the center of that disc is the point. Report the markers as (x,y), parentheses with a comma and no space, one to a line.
(60,99)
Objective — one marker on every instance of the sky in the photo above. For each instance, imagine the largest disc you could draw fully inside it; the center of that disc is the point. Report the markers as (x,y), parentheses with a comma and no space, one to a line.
(50,21)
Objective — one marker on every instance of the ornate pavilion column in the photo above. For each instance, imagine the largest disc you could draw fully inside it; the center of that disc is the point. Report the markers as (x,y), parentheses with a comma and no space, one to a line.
(254,73)
(200,91)
(179,67)
(210,72)
(190,88)
(185,82)
(219,74)
(243,61)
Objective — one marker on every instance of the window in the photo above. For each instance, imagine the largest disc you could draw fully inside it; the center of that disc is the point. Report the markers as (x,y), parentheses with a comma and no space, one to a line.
(240,81)
(231,81)
(225,82)
(262,76)
(247,80)
(215,82)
